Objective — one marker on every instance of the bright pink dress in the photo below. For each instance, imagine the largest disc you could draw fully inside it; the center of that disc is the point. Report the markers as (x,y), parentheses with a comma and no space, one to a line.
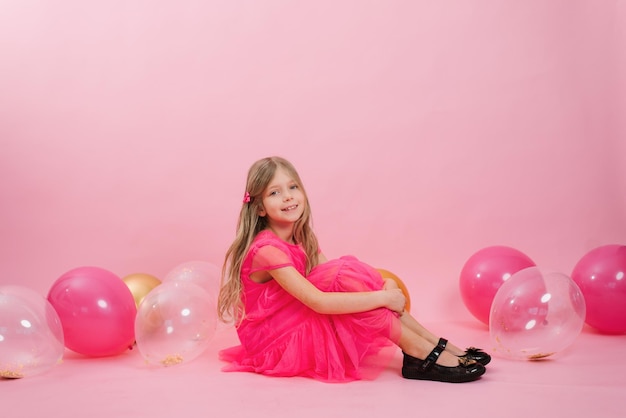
(280,336)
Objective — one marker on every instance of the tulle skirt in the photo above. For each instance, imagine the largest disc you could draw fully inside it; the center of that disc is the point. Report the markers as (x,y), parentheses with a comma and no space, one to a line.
(293,340)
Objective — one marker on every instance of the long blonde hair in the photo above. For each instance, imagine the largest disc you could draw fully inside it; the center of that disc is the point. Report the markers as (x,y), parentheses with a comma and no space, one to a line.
(230,304)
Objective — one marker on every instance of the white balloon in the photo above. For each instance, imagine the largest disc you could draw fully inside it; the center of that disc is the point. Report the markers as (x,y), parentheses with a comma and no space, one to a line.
(535,314)
(31,335)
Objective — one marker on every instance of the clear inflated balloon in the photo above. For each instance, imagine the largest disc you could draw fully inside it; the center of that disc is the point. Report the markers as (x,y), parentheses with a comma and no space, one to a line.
(535,314)
(175,323)
(31,335)
(201,273)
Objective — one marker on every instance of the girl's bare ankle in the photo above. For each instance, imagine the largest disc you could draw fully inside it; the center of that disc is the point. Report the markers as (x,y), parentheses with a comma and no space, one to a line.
(448,360)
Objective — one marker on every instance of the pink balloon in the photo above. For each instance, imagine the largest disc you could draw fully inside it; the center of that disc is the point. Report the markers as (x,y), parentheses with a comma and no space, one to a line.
(483,274)
(97,311)
(601,276)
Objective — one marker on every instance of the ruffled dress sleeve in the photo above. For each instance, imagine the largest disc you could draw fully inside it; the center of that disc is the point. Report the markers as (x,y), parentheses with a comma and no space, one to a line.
(268,257)
(268,252)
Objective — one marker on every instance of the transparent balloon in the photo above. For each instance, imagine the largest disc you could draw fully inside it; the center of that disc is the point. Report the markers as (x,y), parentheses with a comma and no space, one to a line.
(535,314)
(31,335)
(97,311)
(601,276)
(483,274)
(175,323)
(201,273)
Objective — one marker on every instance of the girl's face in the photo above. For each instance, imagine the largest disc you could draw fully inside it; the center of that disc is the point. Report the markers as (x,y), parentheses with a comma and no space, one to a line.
(283,201)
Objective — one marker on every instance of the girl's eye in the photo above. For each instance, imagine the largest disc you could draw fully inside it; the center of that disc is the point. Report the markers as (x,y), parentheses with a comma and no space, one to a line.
(295,186)
(273,192)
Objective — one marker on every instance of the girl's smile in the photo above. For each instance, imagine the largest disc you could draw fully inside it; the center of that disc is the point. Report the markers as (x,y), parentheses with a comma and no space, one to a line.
(283,203)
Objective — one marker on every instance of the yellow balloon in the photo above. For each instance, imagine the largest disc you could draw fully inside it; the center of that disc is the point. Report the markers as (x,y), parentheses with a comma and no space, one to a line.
(389,275)
(140,284)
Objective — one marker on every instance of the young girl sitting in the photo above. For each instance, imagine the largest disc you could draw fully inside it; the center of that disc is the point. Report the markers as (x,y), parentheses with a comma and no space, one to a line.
(299,314)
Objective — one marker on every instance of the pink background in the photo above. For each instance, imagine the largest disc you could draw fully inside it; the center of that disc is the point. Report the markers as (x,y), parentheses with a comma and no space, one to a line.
(424,131)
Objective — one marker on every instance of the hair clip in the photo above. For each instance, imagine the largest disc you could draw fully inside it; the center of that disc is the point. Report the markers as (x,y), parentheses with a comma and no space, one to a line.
(246,198)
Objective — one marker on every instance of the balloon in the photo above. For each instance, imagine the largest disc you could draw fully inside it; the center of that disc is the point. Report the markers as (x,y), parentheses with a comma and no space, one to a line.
(535,314)
(140,284)
(389,275)
(97,311)
(175,323)
(31,335)
(483,274)
(601,276)
(202,273)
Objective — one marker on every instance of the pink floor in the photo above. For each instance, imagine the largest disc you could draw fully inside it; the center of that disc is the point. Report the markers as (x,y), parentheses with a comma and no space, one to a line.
(586,380)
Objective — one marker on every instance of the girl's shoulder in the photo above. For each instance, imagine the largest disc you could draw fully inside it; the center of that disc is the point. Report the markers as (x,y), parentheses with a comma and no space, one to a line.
(265,237)
(268,237)
(268,251)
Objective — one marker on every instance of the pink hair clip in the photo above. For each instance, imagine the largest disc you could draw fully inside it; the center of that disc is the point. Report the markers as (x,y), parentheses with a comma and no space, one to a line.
(246,198)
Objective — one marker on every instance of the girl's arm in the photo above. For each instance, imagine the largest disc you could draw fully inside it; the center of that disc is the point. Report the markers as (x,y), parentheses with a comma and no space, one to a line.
(336,302)
(390,284)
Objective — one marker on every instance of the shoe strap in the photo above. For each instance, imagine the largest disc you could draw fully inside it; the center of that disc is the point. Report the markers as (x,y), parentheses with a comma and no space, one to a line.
(431,359)
(442,343)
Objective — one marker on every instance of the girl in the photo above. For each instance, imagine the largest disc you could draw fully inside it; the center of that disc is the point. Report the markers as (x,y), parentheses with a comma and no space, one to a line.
(298,314)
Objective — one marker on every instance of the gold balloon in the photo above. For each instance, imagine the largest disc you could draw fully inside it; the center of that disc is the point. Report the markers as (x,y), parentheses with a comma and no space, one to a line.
(389,275)
(140,284)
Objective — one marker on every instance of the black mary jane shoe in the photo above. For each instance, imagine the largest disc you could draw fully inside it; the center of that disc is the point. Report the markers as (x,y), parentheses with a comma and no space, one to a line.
(478,355)
(466,371)
(471,354)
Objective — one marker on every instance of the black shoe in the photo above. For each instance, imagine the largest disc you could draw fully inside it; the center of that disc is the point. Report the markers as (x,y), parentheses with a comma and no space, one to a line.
(478,355)
(472,353)
(466,371)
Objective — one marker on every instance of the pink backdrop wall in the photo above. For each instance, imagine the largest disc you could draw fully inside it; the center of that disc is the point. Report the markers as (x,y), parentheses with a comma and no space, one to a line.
(424,131)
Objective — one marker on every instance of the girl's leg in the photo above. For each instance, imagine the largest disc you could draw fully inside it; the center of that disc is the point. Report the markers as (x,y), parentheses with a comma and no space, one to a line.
(418,346)
(411,323)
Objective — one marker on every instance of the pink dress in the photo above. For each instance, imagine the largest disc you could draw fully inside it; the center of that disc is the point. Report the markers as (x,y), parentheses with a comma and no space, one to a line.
(280,336)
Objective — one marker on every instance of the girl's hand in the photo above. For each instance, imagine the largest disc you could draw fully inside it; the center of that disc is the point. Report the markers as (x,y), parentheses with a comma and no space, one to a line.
(390,284)
(397,300)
